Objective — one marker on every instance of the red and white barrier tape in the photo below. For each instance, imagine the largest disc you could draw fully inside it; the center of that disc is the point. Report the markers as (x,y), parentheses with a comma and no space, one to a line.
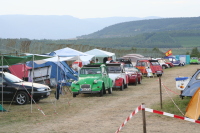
(171,115)
(168,88)
(142,107)
(131,115)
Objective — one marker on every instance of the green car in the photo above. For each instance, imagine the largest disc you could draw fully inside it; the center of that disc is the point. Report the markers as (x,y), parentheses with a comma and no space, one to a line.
(93,78)
(194,60)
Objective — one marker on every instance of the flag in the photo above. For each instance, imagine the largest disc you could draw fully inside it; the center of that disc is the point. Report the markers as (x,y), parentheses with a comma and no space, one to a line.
(168,53)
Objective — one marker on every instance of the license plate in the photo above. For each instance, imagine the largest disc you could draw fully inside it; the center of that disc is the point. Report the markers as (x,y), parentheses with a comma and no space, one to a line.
(85,89)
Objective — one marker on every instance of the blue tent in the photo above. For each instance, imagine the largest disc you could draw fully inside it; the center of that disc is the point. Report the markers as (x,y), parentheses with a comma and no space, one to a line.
(60,71)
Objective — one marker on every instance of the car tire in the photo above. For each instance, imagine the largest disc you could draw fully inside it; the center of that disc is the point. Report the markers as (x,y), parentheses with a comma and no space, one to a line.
(126,86)
(74,95)
(104,90)
(122,87)
(110,90)
(21,98)
(101,92)
(159,75)
(163,67)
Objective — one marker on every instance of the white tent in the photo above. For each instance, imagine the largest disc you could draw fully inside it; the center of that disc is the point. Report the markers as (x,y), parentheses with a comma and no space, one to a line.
(67,52)
(101,54)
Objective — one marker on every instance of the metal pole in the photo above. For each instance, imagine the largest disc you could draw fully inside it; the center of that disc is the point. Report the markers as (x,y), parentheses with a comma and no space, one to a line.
(2,81)
(144,118)
(160,92)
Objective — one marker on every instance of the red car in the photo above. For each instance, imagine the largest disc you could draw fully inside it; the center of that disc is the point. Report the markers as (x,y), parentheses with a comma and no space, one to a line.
(155,67)
(134,75)
(169,63)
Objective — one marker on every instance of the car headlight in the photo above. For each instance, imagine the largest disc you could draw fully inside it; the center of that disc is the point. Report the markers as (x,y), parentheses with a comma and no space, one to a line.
(95,81)
(40,89)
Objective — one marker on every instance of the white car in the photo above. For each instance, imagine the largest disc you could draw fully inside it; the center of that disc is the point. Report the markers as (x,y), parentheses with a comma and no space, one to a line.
(117,73)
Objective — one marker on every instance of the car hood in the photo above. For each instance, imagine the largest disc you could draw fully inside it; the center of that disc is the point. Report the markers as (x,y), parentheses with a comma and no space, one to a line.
(88,79)
(30,84)
(113,76)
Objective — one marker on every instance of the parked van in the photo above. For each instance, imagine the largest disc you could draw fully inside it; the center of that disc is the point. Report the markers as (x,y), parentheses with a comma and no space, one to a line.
(174,61)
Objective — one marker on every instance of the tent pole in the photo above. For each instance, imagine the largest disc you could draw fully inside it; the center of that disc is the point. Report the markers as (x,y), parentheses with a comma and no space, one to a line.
(32,84)
(2,81)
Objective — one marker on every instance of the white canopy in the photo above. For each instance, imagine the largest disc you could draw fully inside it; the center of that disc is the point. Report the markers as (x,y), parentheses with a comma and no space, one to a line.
(67,52)
(101,53)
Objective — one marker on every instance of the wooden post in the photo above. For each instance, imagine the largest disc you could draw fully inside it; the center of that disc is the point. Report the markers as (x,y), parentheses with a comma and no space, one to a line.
(144,118)
(160,92)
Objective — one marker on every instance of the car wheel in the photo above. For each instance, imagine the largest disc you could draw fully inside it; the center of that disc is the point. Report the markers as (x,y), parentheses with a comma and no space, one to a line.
(101,92)
(21,98)
(110,90)
(140,81)
(126,86)
(159,75)
(104,90)
(74,95)
(122,87)
(163,67)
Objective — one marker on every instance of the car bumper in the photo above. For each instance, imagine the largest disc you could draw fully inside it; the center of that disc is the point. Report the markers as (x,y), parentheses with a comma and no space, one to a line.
(41,95)
(86,92)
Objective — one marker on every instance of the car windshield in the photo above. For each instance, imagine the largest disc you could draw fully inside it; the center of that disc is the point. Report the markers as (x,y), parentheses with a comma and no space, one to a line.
(128,65)
(161,61)
(155,63)
(90,71)
(11,78)
(113,69)
(195,58)
(131,70)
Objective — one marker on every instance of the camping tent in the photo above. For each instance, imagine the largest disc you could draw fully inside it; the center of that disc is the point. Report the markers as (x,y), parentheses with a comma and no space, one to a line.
(100,54)
(67,52)
(11,60)
(19,70)
(193,108)
(55,72)
(133,57)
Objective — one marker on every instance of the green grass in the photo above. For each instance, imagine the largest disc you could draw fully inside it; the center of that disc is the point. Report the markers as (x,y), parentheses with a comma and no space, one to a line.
(169,107)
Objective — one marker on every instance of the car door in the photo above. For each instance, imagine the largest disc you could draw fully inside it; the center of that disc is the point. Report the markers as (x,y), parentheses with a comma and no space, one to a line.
(6,89)
(105,76)
(123,74)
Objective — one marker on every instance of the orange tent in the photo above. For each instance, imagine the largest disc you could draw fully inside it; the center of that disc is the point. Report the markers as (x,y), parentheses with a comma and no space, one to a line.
(193,108)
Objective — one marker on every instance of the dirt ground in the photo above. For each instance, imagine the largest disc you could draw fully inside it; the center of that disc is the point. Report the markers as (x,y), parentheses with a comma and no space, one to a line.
(94,114)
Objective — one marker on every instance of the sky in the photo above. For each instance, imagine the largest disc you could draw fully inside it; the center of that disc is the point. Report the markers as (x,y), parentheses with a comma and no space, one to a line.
(103,8)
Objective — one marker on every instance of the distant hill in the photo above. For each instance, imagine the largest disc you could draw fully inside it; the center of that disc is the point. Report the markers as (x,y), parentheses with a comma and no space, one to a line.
(133,28)
(54,27)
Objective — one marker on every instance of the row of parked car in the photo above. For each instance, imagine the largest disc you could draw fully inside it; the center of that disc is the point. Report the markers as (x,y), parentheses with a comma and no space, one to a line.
(93,78)
(99,78)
